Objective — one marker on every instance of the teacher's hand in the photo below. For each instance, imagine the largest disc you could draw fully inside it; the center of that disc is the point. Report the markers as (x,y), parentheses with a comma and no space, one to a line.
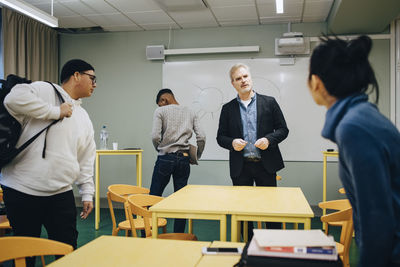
(238,144)
(262,143)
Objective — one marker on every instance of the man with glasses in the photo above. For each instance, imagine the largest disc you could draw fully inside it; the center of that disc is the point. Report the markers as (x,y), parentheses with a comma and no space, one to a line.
(37,184)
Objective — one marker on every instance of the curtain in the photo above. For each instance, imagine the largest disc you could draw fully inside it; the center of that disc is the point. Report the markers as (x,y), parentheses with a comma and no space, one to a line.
(30,48)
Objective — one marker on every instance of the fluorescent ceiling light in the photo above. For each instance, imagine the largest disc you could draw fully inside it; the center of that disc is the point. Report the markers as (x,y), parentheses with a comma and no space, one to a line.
(31,11)
(279,6)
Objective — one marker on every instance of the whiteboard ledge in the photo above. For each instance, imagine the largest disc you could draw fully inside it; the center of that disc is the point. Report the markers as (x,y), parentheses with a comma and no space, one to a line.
(212,50)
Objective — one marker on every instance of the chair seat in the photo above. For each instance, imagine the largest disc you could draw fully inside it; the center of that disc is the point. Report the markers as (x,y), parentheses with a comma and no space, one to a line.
(139,224)
(340,248)
(4,223)
(178,236)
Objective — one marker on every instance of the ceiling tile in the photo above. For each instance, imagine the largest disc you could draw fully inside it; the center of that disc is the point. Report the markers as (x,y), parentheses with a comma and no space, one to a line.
(188,25)
(283,19)
(115,19)
(222,3)
(239,22)
(203,16)
(38,2)
(78,7)
(317,8)
(128,28)
(159,26)
(134,5)
(235,12)
(59,10)
(100,6)
(150,17)
(75,22)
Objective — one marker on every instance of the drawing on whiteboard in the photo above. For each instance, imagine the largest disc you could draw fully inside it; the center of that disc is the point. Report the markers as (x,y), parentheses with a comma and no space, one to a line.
(208,101)
(266,86)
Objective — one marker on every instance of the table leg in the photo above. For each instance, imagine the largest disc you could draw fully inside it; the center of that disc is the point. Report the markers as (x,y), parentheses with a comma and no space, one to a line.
(154,223)
(139,169)
(307,224)
(222,228)
(234,229)
(245,231)
(97,194)
(324,188)
(190,226)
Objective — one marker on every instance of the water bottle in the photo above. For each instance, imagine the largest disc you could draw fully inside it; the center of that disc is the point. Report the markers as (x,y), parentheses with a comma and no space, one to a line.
(103,138)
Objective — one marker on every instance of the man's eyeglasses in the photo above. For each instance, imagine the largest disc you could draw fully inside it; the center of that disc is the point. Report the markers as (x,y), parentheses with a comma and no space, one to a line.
(92,77)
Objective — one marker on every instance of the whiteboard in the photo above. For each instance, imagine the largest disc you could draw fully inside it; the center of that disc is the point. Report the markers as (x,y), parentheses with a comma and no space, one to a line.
(205,86)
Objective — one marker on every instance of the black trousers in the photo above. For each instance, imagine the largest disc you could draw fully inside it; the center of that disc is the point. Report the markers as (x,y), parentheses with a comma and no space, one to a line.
(254,172)
(27,214)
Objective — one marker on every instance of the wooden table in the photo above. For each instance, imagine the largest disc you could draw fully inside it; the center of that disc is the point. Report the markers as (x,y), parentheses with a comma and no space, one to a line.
(130,251)
(244,203)
(271,204)
(221,260)
(137,152)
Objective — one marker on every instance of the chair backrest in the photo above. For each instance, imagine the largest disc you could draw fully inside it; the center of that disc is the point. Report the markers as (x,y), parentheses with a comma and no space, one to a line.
(338,204)
(119,192)
(138,205)
(346,217)
(19,247)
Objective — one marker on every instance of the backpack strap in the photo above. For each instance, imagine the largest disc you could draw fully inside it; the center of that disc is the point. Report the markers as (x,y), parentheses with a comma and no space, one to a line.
(27,143)
(54,122)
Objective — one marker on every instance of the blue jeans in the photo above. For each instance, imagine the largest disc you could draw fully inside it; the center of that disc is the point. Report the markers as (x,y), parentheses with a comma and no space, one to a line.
(178,166)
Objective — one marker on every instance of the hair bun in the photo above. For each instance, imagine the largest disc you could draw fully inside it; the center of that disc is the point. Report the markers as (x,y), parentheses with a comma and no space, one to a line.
(358,49)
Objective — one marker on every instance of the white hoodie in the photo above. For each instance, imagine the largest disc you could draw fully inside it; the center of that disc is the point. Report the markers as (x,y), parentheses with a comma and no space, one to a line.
(70,146)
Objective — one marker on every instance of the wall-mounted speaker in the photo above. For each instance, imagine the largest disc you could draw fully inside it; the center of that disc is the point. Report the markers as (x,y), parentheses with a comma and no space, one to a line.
(155,52)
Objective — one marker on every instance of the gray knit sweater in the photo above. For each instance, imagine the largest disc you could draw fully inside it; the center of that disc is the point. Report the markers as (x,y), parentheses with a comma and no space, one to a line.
(173,126)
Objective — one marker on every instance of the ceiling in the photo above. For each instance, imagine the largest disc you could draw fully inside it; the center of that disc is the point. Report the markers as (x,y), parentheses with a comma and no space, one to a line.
(142,15)
(342,16)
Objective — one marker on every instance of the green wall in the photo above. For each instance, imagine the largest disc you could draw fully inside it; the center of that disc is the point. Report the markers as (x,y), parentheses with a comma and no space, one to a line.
(127,84)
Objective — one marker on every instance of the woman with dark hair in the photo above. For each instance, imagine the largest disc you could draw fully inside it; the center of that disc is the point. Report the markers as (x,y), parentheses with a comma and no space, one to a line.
(369,145)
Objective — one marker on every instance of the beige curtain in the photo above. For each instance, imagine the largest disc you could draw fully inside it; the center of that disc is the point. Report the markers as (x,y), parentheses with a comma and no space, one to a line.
(30,48)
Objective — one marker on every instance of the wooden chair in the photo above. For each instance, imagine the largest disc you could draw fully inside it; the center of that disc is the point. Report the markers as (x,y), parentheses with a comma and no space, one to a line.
(19,247)
(119,193)
(346,218)
(259,224)
(4,223)
(138,205)
(339,204)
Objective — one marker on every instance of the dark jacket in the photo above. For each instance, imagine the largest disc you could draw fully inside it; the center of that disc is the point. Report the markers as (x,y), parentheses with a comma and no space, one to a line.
(270,124)
(369,167)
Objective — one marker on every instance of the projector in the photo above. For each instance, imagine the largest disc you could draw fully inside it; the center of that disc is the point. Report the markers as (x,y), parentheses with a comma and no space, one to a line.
(292,43)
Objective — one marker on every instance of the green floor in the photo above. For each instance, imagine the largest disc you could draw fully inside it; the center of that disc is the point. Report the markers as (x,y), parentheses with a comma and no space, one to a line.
(204,230)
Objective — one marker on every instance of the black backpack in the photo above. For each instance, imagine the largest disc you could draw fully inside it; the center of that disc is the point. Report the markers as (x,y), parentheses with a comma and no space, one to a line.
(10,128)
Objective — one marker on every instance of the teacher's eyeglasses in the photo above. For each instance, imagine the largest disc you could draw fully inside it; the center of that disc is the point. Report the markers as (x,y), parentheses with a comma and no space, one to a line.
(92,77)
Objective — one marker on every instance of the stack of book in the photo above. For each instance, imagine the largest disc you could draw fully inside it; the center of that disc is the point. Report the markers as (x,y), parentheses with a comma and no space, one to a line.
(302,244)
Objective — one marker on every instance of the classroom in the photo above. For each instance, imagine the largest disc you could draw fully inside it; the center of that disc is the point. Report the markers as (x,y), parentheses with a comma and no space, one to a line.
(115,37)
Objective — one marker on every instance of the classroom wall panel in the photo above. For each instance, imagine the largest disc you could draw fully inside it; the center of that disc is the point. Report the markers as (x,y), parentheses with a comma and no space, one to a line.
(124,99)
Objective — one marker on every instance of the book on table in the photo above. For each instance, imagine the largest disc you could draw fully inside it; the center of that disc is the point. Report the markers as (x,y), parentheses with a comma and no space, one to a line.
(302,244)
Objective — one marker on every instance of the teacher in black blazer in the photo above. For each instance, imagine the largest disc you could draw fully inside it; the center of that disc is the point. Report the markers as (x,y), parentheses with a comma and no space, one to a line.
(251,126)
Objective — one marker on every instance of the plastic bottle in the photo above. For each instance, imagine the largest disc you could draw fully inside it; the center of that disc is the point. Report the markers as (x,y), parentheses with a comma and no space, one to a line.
(103,138)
